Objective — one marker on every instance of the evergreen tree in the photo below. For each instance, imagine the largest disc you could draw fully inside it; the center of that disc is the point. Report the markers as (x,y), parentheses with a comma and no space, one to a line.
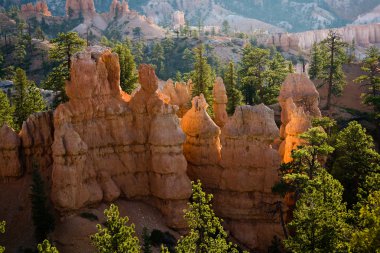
(251,73)
(354,159)
(332,74)
(277,71)
(226,27)
(128,73)
(116,236)
(56,81)
(138,52)
(6,111)
(43,220)
(317,62)
(202,75)
(27,98)
(206,231)
(2,231)
(39,34)
(366,238)
(64,47)
(351,52)
(319,222)
(46,247)
(371,65)
(234,95)
(158,58)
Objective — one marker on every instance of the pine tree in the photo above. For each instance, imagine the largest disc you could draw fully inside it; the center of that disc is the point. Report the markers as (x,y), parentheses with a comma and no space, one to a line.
(317,62)
(43,220)
(354,159)
(2,231)
(234,95)
(116,236)
(6,111)
(128,73)
(371,65)
(64,47)
(158,58)
(366,238)
(56,81)
(27,98)
(138,52)
(202,75)
(206,231)
(46,247)
(319,221)
(251,73)
(225,27)
(332,74)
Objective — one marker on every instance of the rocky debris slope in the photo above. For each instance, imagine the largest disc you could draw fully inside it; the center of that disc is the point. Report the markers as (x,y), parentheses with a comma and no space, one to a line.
(105,148)
(238,165)
(299,100)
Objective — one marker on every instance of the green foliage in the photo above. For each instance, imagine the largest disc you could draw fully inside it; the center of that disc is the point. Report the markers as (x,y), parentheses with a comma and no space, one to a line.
(56,81)
(319,222)
(317,62)
(116,236)
(43,220)
(371,65)
(234,95)
(206,231)
(27,98)
(354,159)
(46,247)
(367,237)
(2,231)
(261,74)
(6,111)
(202,75)
(332,72)
(147,246)
(158,58)
(226,27)
(128,73)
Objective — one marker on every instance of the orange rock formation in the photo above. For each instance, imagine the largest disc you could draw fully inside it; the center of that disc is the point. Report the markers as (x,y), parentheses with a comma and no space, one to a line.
(118,9)
(220,102)
(10,165)
(75,8)
(39,9)
(105,147)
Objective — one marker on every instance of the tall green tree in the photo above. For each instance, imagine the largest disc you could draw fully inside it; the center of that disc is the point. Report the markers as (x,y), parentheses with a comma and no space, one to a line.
(332,74)
(371,65)
(128,73)
(317,61)
(138,52)
(206,231)
(234,95)
(251,72)
(158,58)
(2,231)
(226,27)
(6,111)
(116,236)
(27,98)
(56,81)
(319,221)
(354,159)
(46,247)
(64,47)
(366,237)
(202,75)
(43,219)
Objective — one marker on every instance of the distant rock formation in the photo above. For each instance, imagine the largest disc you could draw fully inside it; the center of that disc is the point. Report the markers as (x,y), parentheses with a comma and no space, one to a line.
(238,166)
(178,20)
(118,9)
(105,147)
(220,102)
(31,10)
(363,35)
(77,8)
(299,100)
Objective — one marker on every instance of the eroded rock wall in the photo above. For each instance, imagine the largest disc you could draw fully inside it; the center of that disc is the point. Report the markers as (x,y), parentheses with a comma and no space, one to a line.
(10,164)
(105,147)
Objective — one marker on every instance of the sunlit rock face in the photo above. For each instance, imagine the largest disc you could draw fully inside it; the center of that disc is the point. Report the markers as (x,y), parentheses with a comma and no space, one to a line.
(239,166)
(10,165)
(220,102)
(32,10)
(76,8)
(299,100)
(178,94)
(118,9)
(105,147)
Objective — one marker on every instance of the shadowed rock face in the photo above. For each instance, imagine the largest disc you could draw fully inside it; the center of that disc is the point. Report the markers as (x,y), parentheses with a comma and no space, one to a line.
(105,147)
(10,165)
(299,100)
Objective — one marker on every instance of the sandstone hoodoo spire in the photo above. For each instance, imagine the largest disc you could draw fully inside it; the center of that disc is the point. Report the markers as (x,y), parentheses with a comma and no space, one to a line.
(220,102)
(77,8)
(38,9)
(118,9)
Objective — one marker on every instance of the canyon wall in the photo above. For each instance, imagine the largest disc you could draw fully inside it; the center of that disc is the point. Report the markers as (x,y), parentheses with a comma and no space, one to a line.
(363,35)
(105,147)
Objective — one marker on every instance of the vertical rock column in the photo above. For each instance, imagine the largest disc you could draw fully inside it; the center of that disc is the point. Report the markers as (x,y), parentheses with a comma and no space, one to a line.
(220,102)
(10,165)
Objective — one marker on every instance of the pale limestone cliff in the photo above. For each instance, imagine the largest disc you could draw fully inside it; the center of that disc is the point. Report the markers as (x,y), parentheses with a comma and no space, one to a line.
(105,147)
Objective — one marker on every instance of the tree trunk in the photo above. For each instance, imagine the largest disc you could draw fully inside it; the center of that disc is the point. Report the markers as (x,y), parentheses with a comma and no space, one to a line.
(331,74)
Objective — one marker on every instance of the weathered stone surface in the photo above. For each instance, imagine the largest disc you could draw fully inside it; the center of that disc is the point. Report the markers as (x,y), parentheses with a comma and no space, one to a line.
(242,178)
(10,165)
(118,9)
(75,8)
(220,102)
(32,10)
(299,101)
(202,146)
(178,20)
(106,147)
(178,94)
